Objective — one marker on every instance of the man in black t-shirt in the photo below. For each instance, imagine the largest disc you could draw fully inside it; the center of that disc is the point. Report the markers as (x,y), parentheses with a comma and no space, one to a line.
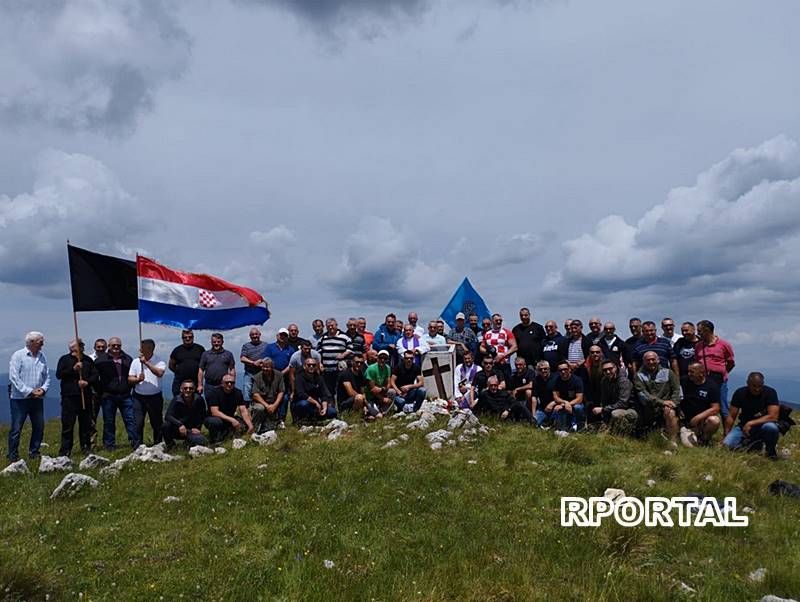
(757,407)
(184,361)
(223,403)
(684,348)
(407,380)
(480,380)
(520,385)
(493,400)
(699,407)
(350,386)
(529,336)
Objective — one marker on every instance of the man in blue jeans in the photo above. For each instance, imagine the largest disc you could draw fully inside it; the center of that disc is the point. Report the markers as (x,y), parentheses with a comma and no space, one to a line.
(27,372)
(567,406)
(114,368)
(756,406)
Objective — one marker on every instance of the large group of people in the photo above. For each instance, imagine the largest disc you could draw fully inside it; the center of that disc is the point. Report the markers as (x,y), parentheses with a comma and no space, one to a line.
(532,373)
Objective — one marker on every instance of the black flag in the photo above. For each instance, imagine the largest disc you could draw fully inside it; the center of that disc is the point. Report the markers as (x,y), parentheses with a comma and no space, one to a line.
(101,282)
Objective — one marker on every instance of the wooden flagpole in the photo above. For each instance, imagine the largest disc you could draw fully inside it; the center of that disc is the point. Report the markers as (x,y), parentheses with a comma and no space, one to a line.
(77,340)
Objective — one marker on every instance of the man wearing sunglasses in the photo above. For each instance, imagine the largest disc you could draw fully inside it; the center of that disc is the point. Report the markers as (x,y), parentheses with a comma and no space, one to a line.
(223,405)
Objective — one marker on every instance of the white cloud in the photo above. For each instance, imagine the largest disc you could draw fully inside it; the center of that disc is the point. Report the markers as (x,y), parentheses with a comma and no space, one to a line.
(382,264)
(74,197)
(506,250)
(734,233)
(268,262)
(86,64)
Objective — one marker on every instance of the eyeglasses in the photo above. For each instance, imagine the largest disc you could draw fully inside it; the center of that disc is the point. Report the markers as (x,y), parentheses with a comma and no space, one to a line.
(227,382)
(610,369)
(594,323)
(112,346)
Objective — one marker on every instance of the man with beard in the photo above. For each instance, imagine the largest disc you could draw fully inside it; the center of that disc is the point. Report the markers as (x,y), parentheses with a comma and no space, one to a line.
(77,374)
(529,336)
(615,407)
(350,387)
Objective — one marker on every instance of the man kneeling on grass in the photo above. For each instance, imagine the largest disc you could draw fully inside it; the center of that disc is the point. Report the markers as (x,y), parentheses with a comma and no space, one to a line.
(267,405)
(312,400)
(757,408)
(700,407)
(185,416)
(223,404)
(658,394)
(494,400)
(378,391)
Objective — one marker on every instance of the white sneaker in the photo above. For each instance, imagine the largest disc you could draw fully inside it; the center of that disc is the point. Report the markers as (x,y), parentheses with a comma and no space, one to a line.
(686,437)
(281,425)
(408,408)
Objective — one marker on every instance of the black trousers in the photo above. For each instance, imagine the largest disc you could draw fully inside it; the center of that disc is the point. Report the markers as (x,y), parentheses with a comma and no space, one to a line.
(72,409)
(153,407)
(219,429)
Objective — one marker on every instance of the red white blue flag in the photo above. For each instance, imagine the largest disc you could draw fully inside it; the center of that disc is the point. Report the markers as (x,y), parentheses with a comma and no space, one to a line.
(199,301)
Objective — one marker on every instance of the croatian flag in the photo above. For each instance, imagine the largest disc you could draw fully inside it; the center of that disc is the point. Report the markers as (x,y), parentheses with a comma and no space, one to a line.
(200,301)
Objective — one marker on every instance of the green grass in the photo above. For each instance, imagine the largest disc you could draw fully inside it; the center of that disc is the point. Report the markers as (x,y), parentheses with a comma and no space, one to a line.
(399,524)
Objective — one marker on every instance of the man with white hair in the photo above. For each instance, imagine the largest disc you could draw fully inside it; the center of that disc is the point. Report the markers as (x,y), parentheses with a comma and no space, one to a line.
(29,378)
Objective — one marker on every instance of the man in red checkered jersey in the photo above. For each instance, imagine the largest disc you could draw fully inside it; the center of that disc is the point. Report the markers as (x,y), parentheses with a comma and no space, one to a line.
(499,343)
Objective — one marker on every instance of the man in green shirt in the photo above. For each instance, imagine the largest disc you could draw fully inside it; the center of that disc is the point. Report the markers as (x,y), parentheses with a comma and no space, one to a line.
(380,396)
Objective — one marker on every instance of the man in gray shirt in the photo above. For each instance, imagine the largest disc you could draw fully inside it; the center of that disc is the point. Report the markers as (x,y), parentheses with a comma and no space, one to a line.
(252,353)
(214,364)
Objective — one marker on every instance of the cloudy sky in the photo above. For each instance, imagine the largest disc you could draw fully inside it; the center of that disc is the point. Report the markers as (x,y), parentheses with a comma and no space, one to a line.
(352,157)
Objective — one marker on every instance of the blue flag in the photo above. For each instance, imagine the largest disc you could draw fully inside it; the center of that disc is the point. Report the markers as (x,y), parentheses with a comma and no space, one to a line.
(467,300)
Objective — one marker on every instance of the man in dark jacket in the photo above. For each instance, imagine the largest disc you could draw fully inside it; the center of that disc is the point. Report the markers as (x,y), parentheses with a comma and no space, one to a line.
(494,400)
(312,400)
(78,375)
(113,368)
(616,407)
(185,416)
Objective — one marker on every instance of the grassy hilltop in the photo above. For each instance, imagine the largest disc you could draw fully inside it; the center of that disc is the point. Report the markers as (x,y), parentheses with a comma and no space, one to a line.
(476,521)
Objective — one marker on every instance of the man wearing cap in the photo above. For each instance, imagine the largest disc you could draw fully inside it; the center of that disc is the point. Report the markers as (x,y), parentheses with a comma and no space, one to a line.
(281,352)
(463,338)
(378,390)
(252,352)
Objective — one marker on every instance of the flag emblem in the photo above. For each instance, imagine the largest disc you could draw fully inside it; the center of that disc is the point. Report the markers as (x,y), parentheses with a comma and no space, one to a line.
(207,299)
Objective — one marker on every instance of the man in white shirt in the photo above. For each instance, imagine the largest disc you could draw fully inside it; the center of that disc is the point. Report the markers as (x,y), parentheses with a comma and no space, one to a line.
(145,375)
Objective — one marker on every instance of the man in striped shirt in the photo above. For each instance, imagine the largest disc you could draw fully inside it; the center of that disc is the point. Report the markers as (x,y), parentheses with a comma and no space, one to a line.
(27,372)
(661,346)
(334,346)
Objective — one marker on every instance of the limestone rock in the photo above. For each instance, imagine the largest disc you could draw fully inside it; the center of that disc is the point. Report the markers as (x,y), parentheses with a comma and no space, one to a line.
(93,461)
(771,598)
(200,450)
(306,430)
(708,478)
(561,434)
(436,445)
(156,453)
(18,467)
(72,483)
(392,443)
(220,450)
(267,438)
(403,437)
(49,464)
(424,423)
(441,436)
(435,407)
(651,483)
(483,431)
(109,471)
(239,444)
(758,575)
(171,499)
(335,425)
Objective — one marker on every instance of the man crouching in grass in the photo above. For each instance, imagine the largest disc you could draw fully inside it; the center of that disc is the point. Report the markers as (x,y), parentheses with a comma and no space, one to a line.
(223,404)
(185,416)
(493,400)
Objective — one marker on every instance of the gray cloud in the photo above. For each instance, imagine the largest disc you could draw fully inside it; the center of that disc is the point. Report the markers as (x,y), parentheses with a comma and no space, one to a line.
(735,232)
(268,260)
(87,65)
(381,264)
(333,13)
(74,197)
(506,250)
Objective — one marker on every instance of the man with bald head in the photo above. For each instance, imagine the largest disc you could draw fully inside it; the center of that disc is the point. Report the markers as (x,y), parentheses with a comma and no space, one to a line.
(113,368)
(613,347)
(78,375)
(413,319)
(658,396)
(756,406)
